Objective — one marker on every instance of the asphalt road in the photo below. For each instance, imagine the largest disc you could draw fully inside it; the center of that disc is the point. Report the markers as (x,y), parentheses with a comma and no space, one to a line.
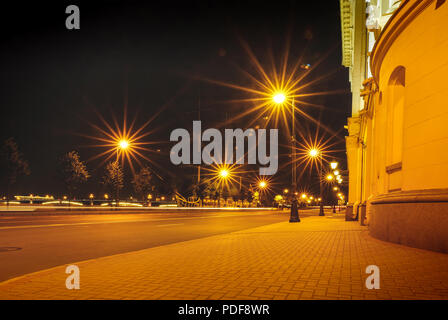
(37,242)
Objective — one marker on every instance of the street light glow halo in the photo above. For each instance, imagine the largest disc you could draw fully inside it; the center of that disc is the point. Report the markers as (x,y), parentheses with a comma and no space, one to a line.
(313,153)
(279,98)
(333,165)
(123,144)
(224,173)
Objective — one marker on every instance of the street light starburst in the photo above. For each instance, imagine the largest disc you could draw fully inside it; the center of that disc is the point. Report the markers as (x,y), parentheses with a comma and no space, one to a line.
(277,90)
(279,98)
(123,142)
(264,184)
(312,151)
(224,175)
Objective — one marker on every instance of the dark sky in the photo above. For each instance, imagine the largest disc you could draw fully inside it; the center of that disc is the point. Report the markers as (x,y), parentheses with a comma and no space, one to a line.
(153,53)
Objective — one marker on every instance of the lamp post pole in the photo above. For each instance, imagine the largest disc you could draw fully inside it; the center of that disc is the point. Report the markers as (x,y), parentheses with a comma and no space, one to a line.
(293,150)
(321,204)
(294,204)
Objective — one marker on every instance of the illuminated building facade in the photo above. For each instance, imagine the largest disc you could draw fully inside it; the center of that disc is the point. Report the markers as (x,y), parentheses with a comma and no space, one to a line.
(397,143)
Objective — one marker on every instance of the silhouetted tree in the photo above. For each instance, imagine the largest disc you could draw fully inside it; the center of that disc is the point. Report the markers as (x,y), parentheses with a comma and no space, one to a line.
(199,191)
(13,164)
(114,178)
(179,184)
(235,193)
(250,195)
(142,183)
(212,190)
(74,172)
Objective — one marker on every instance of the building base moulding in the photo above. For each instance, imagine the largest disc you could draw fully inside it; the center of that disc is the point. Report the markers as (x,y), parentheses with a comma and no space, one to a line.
(414,218)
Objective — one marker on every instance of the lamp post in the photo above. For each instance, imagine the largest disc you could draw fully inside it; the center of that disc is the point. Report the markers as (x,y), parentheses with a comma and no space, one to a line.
(224,175)
(280,98)
(123,145)
(294,205)
(321,204)
(262,185)
(285,192)
(315,153)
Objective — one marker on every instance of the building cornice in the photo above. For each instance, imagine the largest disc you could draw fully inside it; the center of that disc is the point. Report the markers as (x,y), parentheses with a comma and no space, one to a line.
(412,196)
(346,33)
(400,19)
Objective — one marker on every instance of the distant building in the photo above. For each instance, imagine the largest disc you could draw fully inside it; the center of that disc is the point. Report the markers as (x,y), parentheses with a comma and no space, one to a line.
(397,143)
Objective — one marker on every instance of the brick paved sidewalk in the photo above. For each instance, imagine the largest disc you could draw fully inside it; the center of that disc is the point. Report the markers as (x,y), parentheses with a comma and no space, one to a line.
(319,258)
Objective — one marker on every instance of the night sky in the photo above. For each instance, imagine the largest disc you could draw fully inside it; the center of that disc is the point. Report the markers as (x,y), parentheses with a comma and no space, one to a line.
(151,56)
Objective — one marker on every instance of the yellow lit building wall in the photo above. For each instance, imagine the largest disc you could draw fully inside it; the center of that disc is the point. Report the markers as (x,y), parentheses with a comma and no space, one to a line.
(397,142)
(412,111)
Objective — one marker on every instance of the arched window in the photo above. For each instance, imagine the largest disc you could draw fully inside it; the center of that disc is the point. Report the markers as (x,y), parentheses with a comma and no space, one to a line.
(395,114)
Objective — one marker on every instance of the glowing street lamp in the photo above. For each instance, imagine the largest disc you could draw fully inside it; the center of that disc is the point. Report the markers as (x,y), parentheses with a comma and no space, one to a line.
(123,144)
(279,98)
(334,165)
(224,173)
(313,153)
(330,177)
(285,191)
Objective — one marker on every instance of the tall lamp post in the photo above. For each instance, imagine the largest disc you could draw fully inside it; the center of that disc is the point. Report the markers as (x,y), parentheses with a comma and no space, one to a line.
(223,175)
(279,99)
(262,185)
(321,202)
(122,147)
(315,153)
